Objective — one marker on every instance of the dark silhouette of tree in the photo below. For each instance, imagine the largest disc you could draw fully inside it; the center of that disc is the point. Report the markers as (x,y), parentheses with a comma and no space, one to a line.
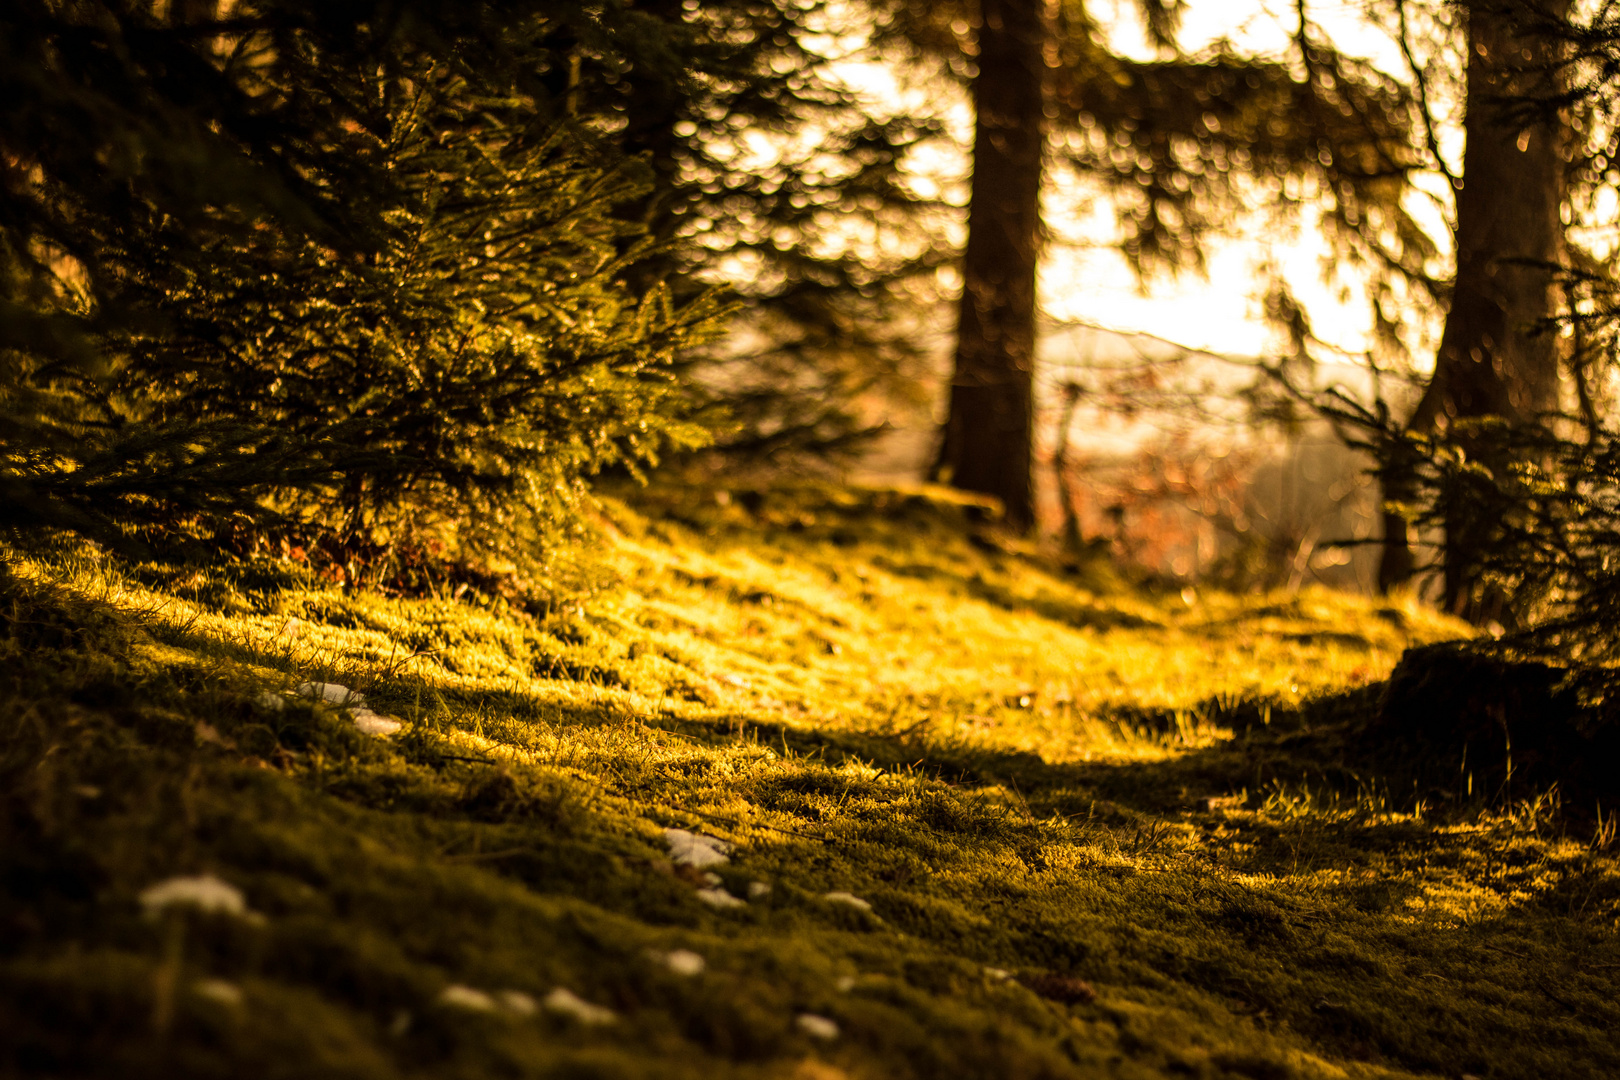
(1523,489)
(1497,357)
(990,425)
(1174,141)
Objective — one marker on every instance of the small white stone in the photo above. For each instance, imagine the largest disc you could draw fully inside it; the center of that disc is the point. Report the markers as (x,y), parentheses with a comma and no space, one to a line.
(330,692)
(465,997)
(205,892)
(999,974)
(516,1001)
(845,983)
(696,849)
(719,898)
(270,702)
(685,962)
(758,890)
(226,993)
(712,879)
(817,1027)
(371,723)
(567,1003)
(847,898)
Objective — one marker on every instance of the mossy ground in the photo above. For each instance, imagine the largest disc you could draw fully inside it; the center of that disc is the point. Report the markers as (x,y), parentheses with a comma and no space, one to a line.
(1009,763)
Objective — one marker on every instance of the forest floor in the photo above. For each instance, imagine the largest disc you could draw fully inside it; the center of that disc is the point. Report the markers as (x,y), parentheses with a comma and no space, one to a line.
(811,784)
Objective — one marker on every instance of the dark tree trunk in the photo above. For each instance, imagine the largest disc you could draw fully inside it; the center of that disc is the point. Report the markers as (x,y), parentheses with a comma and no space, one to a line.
(990,428)
(1496,357)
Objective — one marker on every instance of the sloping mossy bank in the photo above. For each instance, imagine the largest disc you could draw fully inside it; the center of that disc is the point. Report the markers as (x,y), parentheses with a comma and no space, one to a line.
(1071,868)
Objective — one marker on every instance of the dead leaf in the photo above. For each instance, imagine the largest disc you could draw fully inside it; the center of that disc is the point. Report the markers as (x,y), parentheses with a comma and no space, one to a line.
(208,733)
(1065,989)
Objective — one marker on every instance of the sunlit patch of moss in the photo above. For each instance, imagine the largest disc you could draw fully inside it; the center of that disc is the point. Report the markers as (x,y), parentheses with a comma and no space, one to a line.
(1028,774)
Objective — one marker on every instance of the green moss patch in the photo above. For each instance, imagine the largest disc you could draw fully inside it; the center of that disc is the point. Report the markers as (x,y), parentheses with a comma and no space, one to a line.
(985,818)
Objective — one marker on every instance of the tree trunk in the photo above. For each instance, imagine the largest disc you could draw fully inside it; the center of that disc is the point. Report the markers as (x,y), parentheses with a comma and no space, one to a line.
(1496,356)
(1069,499)
(990,429)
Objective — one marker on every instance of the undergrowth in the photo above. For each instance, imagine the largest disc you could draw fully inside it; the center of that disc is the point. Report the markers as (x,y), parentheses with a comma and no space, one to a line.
(987,819)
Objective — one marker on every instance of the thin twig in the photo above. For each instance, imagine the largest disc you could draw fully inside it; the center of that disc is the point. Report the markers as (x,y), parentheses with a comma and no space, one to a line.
(1420,79)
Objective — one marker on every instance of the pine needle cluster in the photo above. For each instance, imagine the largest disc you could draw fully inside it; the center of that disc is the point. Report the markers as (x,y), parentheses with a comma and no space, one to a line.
(1526,517)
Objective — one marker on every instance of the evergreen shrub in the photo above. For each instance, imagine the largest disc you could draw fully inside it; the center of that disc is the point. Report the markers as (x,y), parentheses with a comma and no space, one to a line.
(1540,512)
(349,274)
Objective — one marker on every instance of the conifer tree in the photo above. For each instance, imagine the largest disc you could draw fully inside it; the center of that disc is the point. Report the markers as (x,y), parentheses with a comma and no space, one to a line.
(1173,140)
(348,264)
(1496,357)
(988,440)
(825,322)
(1512,457)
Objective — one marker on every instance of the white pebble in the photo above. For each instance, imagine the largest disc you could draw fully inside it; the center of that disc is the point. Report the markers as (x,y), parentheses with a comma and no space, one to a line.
(847,898)
(685,962)
(696,849)
(372,723)
(719,898)
(330,692)
(205,892)
(567,1003)
(999,974)
(226,993)
(845,983)
(817,1027)
(270,702)
(758,890)
(465,997)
